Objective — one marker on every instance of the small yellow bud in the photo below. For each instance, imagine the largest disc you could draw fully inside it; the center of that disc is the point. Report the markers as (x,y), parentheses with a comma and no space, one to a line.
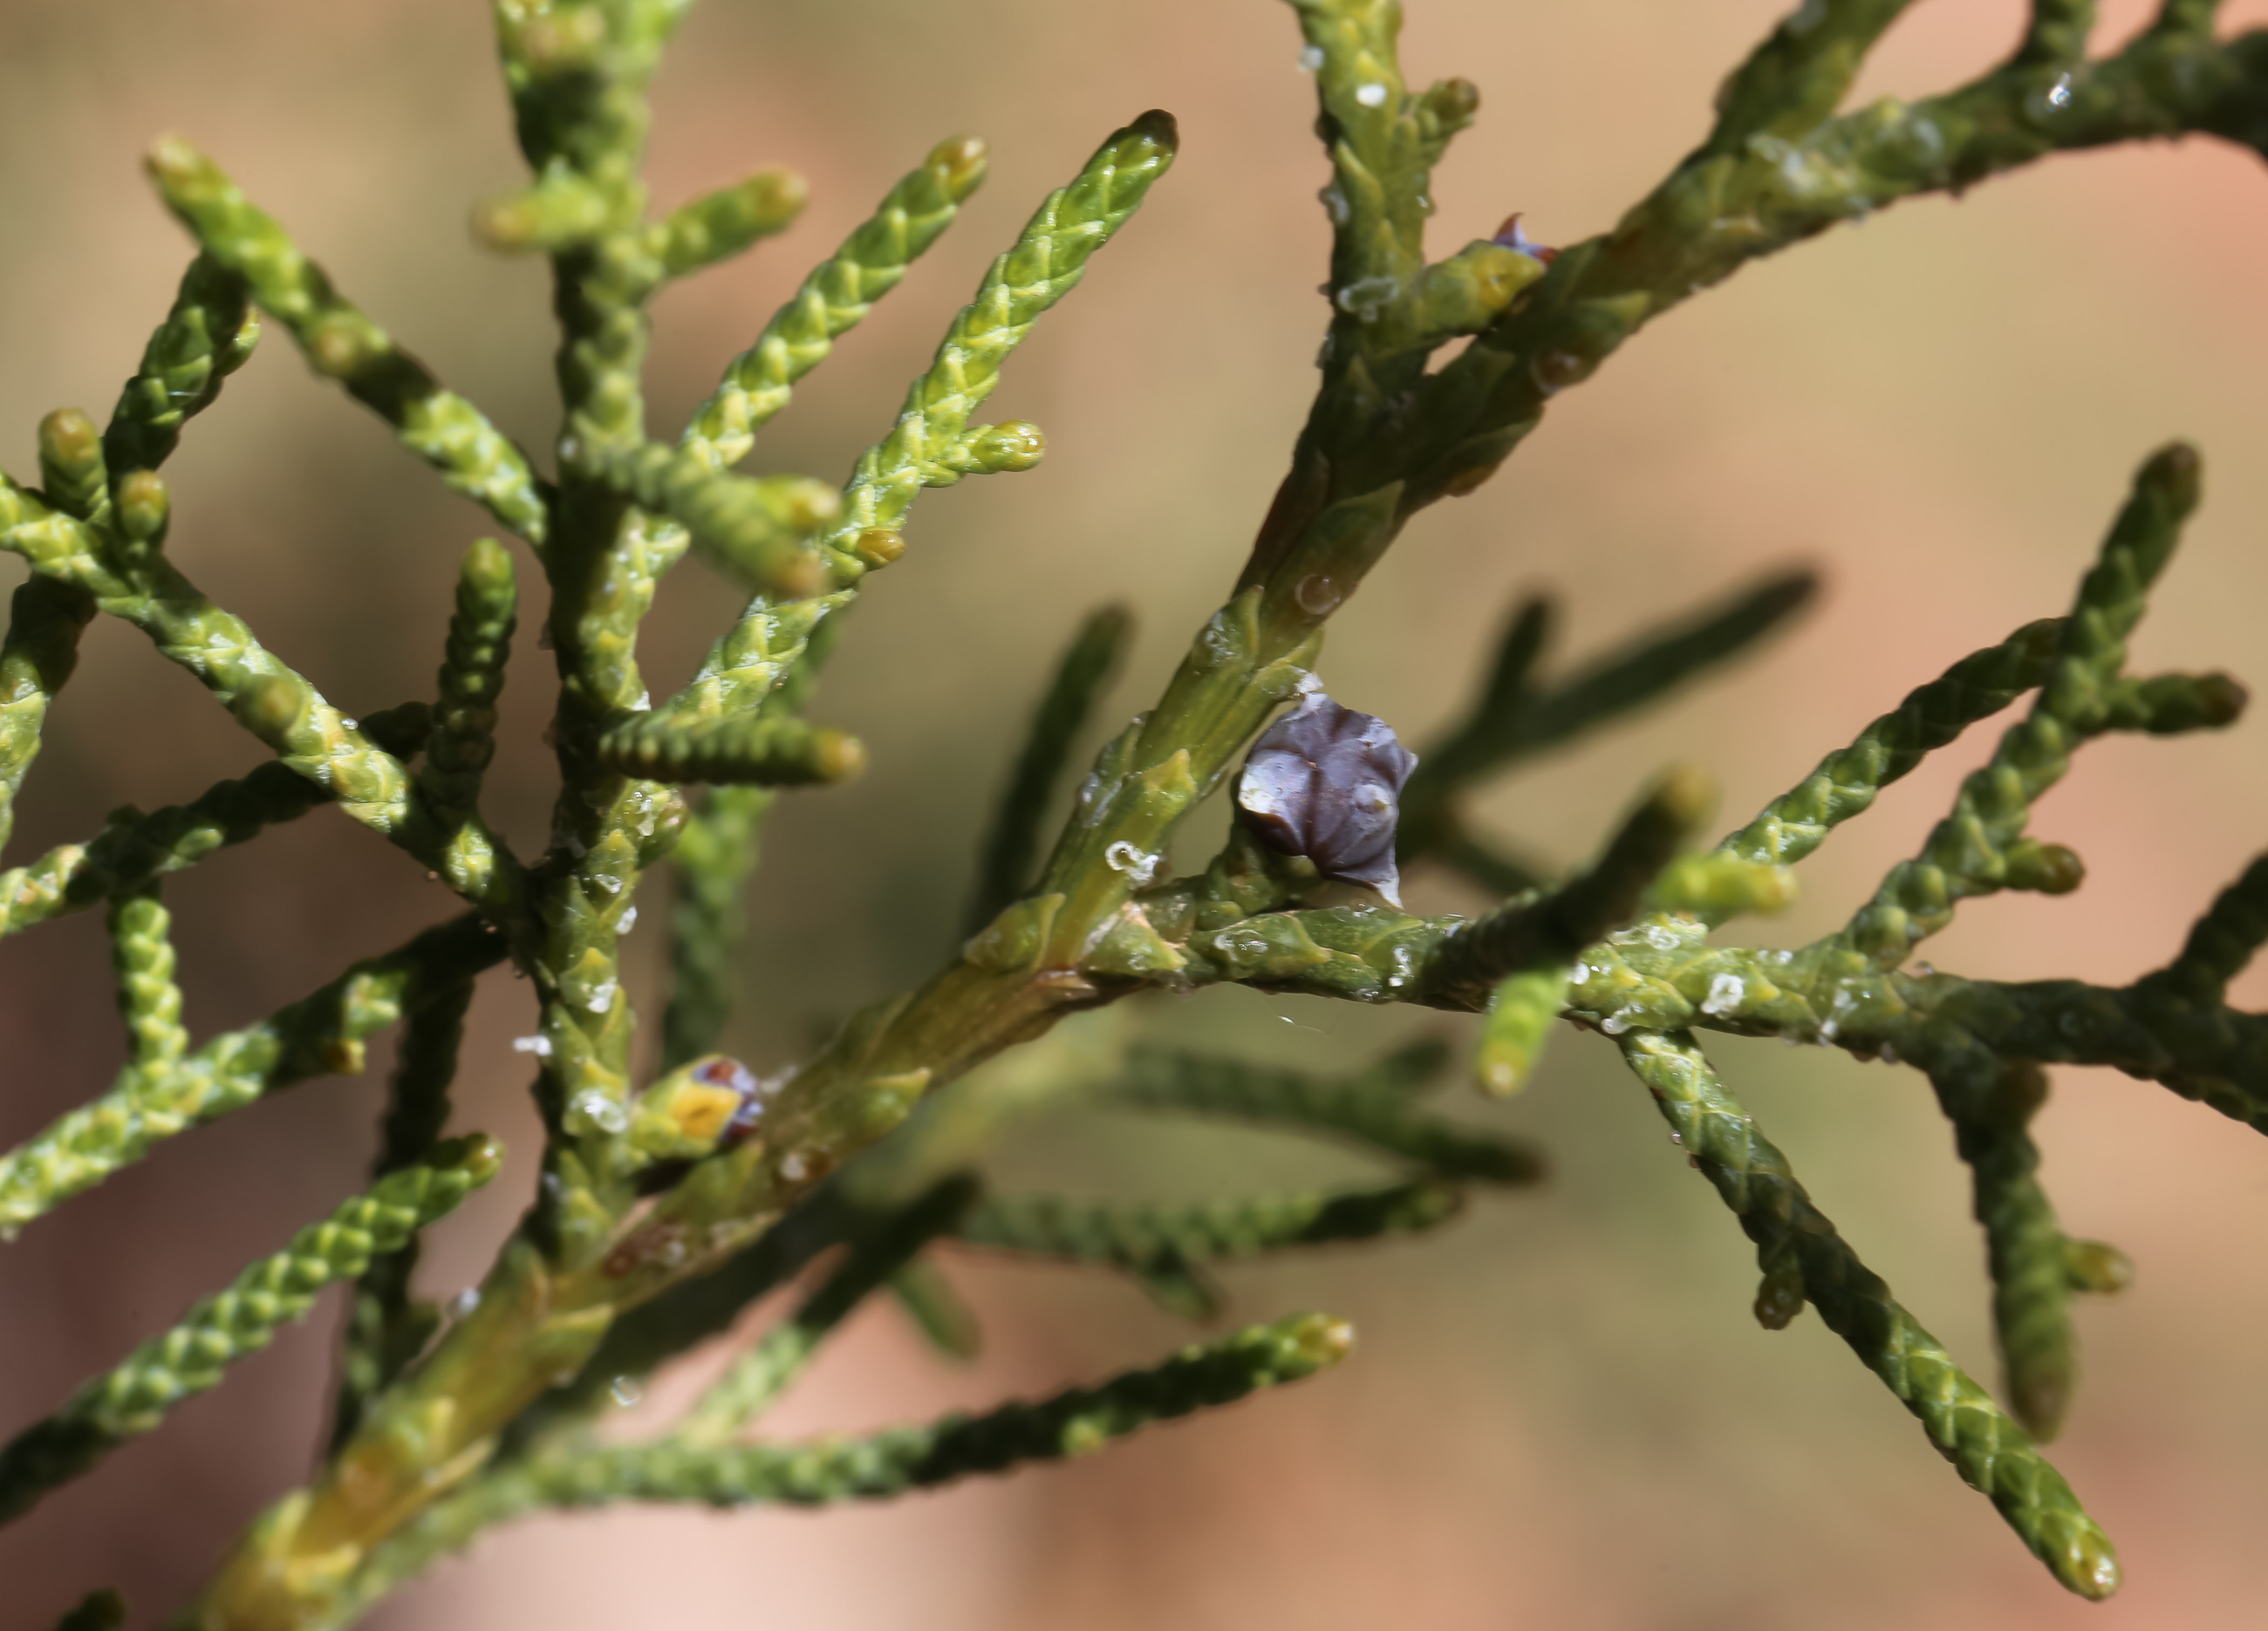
(343,343)
(564,38)
(144,506)
(960,162)
(837,756)
(271,705)
(879,546)
(1009,446)
(800,577)
(67,436)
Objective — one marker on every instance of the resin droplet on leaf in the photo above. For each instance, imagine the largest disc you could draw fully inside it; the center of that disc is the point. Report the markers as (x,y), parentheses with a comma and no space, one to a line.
(1326,782)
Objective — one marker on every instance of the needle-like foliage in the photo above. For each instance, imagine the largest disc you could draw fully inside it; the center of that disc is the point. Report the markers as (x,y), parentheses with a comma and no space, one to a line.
(674,1197)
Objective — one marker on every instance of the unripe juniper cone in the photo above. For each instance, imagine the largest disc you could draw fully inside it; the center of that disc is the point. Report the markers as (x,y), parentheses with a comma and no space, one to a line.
(673,1193)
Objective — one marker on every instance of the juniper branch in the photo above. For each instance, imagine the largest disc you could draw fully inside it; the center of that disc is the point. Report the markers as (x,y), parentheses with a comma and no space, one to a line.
(73,473)
(720,225)
(1846,781)
(142,952)
(578,80)
(341,344)
(1660,975)
(580,77)
(714,862)
(833,300)
(594,1273)
(1169,1245)
(749,751)
(1991,1452)
(1551,929)
(693,1311)
(1074,1423)
(2024,1246)
(1724,207)
(320,1035)
(209,335)
(1010,852)
(45,619)
(463,739)
(928,1299)
(2185,17)
(135,849)
(950,1133)
(756,530)
(385,1326)
(1515,716)
(872,1257)
(876,1468)
(269,699)
(1968,853)
(221,1329)
(2223,942)
(1652,665)
(1799,74)
(2055,35)
(1046,262)
(1370,1109)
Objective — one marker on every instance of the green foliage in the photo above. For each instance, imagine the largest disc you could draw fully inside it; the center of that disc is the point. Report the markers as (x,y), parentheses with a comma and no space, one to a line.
(386,1326)
(879,1467)
(221,1329)
(1970,852)
(712,862)
(320,1035)
(834,299)
(1370,1109)
(1075,1423)
(2025,1249)
(1011,853)
(750,751)
(1990,1451)
(936,1309)
(471,678)
(1515,717)
(666,1208)
(1164,1247)
(871,1259)
(135,849)
(341,344)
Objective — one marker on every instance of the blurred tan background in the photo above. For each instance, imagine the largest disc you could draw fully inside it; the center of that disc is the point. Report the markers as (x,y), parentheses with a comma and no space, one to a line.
(1561,1413)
